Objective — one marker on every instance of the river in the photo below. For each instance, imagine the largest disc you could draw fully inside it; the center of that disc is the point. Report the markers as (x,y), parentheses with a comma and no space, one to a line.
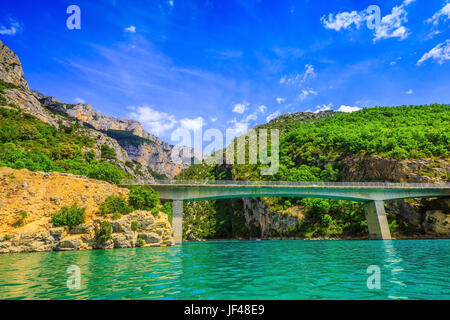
(409,269)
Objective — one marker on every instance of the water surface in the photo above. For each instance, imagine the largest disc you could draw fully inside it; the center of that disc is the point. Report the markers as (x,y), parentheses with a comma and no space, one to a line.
(410,269)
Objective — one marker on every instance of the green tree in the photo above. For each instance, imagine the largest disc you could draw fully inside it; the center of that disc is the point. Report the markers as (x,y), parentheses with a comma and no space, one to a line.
(108,153)
(143,198)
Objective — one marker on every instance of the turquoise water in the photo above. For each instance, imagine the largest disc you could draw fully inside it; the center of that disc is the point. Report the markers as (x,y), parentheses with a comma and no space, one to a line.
(410,269)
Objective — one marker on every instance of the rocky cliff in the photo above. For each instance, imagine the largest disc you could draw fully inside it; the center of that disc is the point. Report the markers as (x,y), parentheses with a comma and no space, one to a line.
(11,68)
(39,195)
(141,146)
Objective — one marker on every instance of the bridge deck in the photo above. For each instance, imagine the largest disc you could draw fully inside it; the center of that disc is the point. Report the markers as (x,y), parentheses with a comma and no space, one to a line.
(290,184)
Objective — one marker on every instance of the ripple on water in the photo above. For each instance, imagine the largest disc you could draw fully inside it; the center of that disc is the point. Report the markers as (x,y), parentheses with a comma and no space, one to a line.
(413,269)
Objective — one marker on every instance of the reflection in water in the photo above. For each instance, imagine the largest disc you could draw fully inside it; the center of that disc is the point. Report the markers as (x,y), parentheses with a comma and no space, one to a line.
(393,264)
(414,269)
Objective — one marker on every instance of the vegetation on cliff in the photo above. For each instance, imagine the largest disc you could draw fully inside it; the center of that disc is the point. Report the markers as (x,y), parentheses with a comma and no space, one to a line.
(317,151)
(27,142)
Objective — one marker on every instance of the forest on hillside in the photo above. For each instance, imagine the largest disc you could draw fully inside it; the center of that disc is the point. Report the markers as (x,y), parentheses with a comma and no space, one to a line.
(316,151)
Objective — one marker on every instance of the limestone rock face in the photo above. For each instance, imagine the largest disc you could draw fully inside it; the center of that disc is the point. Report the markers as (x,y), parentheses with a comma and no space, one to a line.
(149,237)
(149,152)
(124,240)
(263,223)
(11,68)
(28,102)
(375,168)
(437,221)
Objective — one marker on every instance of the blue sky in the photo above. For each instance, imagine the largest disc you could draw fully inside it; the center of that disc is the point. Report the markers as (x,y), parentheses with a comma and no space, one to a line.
(231,64)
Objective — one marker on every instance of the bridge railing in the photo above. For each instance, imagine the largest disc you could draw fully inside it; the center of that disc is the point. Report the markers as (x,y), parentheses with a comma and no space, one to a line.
(287,183)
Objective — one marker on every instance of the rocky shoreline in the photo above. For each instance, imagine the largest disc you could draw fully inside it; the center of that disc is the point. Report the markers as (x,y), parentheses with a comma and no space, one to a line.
(402,237)
(153,232)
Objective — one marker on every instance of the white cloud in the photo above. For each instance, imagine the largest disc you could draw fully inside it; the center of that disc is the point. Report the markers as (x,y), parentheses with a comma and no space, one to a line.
(324,107)
(154,121)
(299,79)
(242,125)
(391,25)
(410,91)
(79,100)
(12,30)
(240,107)
(444,12)
(272,116)
(280,100)
(131,29)
(251,117)
(170,3)
(192,124)
(432,34)
(343,20)
(213,119)
(238,128)
(344,108)
(440,53)
(305,93)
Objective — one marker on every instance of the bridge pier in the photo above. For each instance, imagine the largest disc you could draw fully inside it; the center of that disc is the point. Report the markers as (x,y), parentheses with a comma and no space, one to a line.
(376,220)
(177,221)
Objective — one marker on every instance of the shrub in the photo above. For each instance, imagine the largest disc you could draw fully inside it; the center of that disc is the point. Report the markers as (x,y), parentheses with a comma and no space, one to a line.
(134,225)
(105,171)
(113,205)
(116,216)
(6,238)
(155,212)
(66,216)
(103,233)
(129,164)
(143,198)
(20,219)
(89,156)
(393,227)
(107,152)
(167,209)
(140,242)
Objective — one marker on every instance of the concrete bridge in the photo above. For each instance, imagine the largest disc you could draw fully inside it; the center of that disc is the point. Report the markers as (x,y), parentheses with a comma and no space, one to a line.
(372,194)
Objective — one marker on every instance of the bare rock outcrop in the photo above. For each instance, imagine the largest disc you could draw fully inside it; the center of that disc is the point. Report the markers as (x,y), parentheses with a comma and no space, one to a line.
(376,168)
(10,68)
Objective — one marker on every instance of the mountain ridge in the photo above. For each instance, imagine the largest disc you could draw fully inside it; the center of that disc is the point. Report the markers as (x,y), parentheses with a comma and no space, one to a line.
(149,152)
